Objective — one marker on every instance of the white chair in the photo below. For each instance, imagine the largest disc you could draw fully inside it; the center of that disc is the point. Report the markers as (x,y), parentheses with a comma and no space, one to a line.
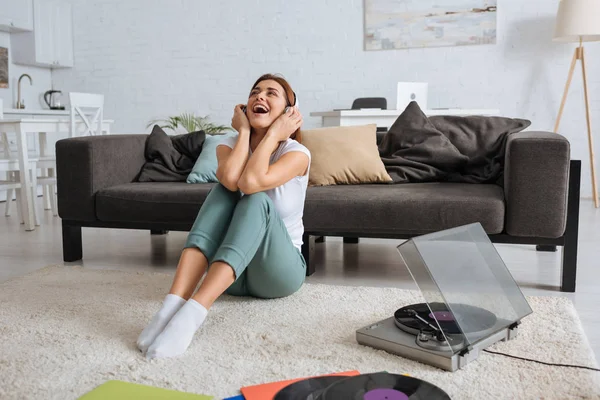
(5,150)
(47,178)
(9,165)
(82,106)
(10,191)
(12,185)
(11,168)
(6,184)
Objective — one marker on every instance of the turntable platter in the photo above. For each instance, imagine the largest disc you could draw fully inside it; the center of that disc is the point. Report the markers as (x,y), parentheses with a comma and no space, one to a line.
(418,318)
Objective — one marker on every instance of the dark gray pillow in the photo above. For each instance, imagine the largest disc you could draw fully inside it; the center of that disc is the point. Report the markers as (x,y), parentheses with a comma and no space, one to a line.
(472,133)
(447,148)
(170,158)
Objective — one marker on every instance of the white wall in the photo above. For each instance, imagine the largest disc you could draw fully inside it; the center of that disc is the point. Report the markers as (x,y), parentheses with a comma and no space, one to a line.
(156,58)
(32,94)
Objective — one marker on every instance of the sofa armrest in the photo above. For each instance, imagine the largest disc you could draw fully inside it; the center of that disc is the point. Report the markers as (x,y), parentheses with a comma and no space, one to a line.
(536,184)
(85,165)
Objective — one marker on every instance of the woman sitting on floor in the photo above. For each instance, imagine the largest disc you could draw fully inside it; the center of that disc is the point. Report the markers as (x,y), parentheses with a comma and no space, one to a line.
(250,241)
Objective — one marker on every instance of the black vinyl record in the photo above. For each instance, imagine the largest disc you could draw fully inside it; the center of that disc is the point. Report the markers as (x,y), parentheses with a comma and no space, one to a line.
(383,386)
(307,389)
(479,318)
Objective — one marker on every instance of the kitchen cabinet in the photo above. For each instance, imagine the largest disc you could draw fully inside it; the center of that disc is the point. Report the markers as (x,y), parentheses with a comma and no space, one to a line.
(63,47)
(51,42)
(16,15)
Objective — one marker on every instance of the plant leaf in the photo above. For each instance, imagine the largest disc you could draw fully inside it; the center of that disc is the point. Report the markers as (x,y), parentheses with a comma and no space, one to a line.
(191,123)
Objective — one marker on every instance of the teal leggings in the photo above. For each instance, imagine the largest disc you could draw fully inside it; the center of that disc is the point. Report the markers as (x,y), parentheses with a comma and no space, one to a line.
(247,233)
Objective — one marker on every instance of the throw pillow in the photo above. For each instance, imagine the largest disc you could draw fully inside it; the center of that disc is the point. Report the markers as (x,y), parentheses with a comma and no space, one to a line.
(344,155)
(205,169)
(447,148)
(170,158)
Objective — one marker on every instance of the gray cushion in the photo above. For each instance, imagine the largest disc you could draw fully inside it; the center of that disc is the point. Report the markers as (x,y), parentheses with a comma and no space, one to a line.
(151,202)
(170,158)
(469,149)
(411,208)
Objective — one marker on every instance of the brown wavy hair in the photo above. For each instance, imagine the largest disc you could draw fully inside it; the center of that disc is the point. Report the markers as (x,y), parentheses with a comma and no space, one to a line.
(289,95)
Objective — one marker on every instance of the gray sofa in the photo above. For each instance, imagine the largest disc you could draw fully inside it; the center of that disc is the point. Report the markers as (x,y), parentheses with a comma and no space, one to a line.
(538,205)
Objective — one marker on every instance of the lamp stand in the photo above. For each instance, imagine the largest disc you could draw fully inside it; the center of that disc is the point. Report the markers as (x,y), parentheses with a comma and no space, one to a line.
(579,55)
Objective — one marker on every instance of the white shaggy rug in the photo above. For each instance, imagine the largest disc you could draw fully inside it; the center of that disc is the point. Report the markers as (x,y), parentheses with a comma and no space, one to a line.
(66,330)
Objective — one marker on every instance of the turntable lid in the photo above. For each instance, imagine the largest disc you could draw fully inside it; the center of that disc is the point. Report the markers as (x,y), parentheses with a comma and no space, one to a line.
(461,268)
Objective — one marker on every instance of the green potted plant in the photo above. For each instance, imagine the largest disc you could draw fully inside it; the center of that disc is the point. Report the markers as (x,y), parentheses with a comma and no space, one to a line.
(191,123)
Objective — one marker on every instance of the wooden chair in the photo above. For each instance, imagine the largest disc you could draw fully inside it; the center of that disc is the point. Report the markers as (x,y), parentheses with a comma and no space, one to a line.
(9,166)
(84,105)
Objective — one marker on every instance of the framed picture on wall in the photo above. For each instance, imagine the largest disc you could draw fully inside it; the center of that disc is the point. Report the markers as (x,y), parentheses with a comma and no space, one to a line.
(3,67)
(402,24)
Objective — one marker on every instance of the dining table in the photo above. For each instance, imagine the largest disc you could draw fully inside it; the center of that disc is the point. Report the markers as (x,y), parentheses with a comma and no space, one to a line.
(25,127)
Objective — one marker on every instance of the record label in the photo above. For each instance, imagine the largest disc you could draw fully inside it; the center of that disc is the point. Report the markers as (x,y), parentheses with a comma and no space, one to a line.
(383,386)
(419,317)
(444,316)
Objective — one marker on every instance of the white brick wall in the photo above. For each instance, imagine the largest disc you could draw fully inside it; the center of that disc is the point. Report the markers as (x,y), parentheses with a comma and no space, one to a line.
(156,58)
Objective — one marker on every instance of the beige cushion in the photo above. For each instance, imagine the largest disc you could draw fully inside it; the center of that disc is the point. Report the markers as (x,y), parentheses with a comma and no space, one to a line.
(344,155)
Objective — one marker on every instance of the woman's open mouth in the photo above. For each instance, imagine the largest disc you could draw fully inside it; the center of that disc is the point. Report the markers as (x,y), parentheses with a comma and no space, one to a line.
(260,109)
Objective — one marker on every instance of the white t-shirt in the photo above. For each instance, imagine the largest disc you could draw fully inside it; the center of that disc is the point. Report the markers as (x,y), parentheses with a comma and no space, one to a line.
(289,197)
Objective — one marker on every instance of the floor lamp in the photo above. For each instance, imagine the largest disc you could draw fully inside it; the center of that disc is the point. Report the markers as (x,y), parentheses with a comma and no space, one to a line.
(579,21)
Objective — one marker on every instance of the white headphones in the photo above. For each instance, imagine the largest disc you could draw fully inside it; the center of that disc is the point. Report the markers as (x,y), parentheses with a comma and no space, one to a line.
(295,102)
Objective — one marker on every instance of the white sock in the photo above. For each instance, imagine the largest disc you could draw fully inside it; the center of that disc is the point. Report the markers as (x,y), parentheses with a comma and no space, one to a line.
(170,306)
(179,332)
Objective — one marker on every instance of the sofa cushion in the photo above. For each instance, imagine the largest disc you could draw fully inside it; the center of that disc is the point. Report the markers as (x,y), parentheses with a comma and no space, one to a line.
(465,149)
(205,168)
(411,208)
(174,202)
(344,155)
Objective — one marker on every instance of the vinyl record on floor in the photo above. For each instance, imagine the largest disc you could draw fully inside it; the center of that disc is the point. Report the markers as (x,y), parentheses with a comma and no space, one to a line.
(479,318)
(307,389)
(383,386)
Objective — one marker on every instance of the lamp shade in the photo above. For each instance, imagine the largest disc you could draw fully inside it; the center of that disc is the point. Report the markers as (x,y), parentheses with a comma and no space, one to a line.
(578,20)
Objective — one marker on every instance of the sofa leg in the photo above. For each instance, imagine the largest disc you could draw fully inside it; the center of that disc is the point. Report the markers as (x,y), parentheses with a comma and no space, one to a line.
(569,268)
(546,247)
(569,259)
(72,244)
(351,240)
(158,232)
(308,249)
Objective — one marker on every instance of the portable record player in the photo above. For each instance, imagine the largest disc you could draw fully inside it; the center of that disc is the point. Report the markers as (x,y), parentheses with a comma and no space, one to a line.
(471,301)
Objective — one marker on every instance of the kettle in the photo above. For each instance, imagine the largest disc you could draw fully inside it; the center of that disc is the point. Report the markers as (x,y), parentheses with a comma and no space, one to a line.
(52,98)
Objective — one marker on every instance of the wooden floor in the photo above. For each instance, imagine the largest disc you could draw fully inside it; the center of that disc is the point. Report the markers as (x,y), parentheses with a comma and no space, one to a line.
(372,262)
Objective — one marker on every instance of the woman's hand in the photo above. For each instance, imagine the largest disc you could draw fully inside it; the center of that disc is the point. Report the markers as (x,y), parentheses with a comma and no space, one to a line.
(286,124)
(239,121)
